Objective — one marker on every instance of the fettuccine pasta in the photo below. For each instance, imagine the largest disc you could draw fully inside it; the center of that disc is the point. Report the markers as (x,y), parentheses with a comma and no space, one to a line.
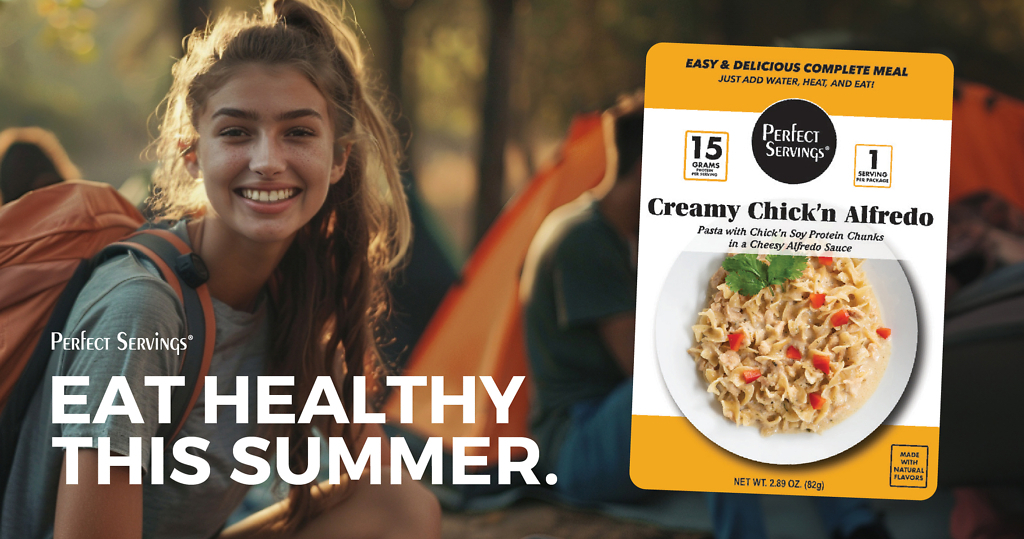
(801,356)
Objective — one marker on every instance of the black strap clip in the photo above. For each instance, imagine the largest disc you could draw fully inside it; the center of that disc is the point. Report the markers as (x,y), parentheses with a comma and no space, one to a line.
(191,269)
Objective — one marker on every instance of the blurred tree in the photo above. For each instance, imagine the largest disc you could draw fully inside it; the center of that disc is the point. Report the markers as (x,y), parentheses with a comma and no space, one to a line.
(393,13)
(445,64)
(985,39)
(495,126)
(578,55)
(192,14)
(93,70)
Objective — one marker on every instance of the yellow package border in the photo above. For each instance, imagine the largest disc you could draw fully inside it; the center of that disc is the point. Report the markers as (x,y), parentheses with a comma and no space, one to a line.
(670,85)
(668,452)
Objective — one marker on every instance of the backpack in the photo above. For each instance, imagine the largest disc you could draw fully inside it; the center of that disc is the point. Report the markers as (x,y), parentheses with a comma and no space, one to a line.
(51,239)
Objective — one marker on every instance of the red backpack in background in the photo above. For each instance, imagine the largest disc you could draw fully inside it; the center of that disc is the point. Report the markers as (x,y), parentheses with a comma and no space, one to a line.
(51,239)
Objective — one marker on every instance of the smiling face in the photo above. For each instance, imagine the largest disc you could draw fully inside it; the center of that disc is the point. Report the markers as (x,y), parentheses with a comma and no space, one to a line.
(266,153)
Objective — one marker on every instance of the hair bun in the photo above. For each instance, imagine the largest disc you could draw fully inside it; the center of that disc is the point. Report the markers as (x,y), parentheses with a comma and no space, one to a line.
(299,15)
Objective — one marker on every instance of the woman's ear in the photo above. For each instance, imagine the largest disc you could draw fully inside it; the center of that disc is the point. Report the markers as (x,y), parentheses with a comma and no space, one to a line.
(191,161)
(340,162)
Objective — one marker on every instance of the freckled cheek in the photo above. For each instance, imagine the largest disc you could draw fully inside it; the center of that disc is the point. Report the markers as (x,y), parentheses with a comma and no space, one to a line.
(224,168)
(316,169)
(311,158)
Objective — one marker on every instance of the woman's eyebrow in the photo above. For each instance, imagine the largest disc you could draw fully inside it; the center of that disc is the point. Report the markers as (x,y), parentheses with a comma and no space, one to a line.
(299,113)
(236,113)
(252,115)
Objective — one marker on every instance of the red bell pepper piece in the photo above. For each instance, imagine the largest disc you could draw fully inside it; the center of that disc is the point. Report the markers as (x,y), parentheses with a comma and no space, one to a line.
(841,317)
(817,300)
(883,332)
(821,362)
(750,375)
(826,260)
(736,340)
(794,353)
(816,400)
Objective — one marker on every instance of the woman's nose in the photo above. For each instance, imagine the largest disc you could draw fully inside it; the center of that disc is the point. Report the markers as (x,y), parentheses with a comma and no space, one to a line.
(267,158)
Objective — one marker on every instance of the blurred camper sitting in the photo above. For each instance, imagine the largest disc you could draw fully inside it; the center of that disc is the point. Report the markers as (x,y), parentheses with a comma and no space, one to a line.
(579,294)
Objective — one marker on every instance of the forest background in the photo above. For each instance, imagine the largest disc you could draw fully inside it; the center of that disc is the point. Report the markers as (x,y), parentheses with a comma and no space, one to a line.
(483,89)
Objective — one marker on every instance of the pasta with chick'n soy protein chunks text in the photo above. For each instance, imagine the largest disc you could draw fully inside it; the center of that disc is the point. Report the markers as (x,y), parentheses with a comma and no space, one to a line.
(790,344)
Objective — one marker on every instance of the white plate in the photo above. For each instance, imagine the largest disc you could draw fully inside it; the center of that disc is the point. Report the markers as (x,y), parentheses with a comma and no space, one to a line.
(684,295)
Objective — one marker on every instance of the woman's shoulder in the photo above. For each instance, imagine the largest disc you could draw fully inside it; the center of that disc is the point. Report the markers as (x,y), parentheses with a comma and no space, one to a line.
(128,291)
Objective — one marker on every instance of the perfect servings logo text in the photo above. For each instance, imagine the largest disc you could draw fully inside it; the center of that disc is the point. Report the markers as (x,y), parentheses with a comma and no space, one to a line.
(793,141)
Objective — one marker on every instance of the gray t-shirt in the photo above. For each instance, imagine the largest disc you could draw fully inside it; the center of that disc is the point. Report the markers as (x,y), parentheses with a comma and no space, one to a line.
(126,296)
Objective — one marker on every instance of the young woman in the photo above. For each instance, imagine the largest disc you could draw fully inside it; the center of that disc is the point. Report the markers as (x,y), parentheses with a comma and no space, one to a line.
(272,142)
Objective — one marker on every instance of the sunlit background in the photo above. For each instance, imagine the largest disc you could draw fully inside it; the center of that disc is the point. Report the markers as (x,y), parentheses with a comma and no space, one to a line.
(93,71)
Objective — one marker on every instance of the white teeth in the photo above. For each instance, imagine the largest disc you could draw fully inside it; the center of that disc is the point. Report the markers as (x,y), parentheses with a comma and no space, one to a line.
(268,196)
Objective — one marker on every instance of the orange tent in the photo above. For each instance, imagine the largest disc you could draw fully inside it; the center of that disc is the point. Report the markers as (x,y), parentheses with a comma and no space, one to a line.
(477,330)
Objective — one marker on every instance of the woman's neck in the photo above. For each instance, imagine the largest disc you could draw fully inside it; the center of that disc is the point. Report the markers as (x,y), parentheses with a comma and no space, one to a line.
(238,269)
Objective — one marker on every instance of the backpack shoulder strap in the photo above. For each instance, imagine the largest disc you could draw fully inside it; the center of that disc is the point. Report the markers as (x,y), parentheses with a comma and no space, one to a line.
(185,272)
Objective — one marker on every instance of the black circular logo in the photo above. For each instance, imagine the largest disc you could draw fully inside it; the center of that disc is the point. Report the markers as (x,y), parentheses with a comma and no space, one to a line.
(794,141)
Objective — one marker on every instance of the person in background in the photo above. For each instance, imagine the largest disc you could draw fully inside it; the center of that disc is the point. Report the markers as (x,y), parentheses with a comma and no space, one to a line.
(579,293)
(32,158)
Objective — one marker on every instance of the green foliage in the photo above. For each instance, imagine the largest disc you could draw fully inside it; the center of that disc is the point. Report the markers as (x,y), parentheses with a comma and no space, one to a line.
(747,275)
(782,267)
(90,71)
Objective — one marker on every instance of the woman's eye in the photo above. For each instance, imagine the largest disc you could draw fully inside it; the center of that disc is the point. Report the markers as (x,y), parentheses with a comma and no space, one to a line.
(301,132)
(232,132)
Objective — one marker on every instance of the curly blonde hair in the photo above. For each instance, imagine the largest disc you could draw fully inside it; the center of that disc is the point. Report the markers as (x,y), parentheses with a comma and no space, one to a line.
(328,293)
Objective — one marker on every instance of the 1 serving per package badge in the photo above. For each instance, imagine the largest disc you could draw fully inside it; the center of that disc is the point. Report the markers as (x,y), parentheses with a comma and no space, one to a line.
(792,271)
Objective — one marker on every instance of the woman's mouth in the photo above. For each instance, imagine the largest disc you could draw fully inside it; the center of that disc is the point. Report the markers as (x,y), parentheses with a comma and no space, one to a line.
(268,196)
(269,201)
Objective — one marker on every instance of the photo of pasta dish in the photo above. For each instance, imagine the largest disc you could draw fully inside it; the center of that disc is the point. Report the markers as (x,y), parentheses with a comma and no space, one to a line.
(790,344)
